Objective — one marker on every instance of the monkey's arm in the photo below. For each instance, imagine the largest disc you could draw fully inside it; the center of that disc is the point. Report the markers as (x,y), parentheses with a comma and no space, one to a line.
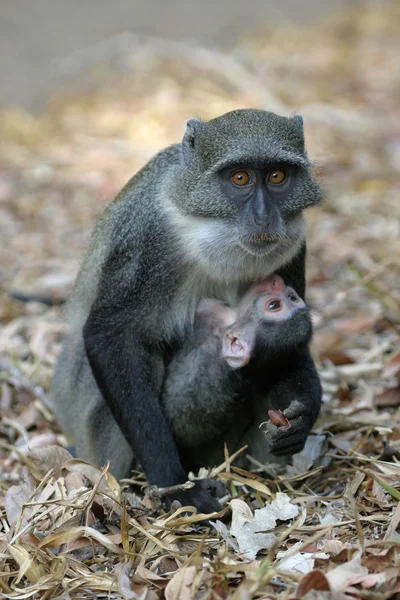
(297,392)
(294,273)
(297,389)
(128,371)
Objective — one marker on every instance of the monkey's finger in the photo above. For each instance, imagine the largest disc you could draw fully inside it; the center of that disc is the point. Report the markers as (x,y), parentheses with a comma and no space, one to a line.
(298,425)
(296,409)
(284,447)
(288,451)
(287,441)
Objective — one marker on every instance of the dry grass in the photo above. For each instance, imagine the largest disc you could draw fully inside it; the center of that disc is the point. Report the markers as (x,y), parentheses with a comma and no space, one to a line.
(67,531)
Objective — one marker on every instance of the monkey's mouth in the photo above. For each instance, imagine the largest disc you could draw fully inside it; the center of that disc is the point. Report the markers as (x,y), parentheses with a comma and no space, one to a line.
(260,243)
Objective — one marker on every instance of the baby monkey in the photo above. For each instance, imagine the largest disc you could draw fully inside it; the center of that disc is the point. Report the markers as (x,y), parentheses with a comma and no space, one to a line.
(217,387)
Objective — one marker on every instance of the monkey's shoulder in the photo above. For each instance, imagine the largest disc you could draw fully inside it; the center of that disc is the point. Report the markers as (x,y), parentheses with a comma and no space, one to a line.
(149,178)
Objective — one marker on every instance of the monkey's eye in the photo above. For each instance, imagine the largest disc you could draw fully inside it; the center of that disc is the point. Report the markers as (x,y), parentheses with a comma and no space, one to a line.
(241,178)
(276,176)
(292,296)
(274,305)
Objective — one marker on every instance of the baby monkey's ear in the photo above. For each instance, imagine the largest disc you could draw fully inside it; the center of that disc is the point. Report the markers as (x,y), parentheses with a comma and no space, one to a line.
(236,349)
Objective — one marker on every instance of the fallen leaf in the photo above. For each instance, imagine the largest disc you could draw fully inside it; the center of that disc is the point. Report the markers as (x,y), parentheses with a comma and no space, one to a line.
(347,574)
(180,586)
(314,580)
(16,497)
(390,397)
(108,485)
(356,325)
(392,368)
(301,562)
(57,539)
(312,451)
(50,457)
(337,357)
(250,530)
(27,566)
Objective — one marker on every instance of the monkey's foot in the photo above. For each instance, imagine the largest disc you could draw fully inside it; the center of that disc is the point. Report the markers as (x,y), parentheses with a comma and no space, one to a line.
(201,496)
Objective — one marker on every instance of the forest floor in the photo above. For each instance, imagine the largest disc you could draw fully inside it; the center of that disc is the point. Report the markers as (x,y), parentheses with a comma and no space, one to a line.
(329,526)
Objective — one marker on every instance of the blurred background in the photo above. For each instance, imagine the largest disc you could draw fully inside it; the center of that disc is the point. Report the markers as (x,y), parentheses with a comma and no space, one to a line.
(90,90)
(43,40)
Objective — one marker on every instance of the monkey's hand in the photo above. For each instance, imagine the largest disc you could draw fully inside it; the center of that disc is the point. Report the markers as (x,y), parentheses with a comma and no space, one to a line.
(290,440)
(202,496)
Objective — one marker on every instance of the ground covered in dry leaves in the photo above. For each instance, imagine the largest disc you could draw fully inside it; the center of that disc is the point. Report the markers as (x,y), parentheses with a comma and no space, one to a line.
(329,526)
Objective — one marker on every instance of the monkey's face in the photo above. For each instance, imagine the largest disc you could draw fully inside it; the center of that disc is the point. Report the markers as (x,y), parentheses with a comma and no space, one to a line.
(284,322)
(259,200)
(273,320)
(247,182)
(276,301)
(260,205)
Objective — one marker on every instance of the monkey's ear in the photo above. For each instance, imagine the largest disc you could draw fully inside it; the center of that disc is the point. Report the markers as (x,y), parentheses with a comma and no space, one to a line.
(298,121)
(193,126)
(236,350)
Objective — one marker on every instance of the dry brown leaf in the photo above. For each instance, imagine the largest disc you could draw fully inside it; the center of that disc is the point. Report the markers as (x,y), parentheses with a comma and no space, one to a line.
(74,480)
(28,567)
(57,539)
(356,325)
(314,580)
(255,484)
(392,368)
(123,571)
(50,457)
(393,525)
(143,575)
(346,575)
(107,484)
(180,586)
(390,397)
(16,497)
(337,357)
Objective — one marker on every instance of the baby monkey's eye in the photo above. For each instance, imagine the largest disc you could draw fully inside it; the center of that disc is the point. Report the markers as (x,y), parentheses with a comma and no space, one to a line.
(276,176)
(274,305)
(292,297)
(241,178)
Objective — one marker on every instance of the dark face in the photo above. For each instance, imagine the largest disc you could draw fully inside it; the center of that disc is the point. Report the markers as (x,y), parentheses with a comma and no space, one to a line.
(278,304)
(284,322)
(273,319)
(261,196)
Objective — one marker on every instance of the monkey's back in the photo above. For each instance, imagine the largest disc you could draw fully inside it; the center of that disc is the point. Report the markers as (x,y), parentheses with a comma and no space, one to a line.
(78,403)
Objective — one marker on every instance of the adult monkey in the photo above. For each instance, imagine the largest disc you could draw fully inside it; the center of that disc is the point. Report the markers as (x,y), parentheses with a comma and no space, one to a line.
(204,218)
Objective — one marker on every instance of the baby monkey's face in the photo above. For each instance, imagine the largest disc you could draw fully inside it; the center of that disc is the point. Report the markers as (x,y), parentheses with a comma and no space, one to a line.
(279,302)
(271,320)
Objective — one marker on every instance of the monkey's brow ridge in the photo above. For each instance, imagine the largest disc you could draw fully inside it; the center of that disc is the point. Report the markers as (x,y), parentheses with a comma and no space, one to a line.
(282,157)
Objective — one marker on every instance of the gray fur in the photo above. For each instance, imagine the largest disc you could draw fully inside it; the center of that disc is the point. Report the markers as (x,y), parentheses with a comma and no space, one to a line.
(170,238)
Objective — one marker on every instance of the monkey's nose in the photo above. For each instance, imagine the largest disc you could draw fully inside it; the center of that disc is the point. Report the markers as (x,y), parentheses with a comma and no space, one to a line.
(277,283)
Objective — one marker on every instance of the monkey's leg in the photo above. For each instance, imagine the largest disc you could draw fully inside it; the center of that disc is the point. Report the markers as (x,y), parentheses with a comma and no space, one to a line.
(88,424)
